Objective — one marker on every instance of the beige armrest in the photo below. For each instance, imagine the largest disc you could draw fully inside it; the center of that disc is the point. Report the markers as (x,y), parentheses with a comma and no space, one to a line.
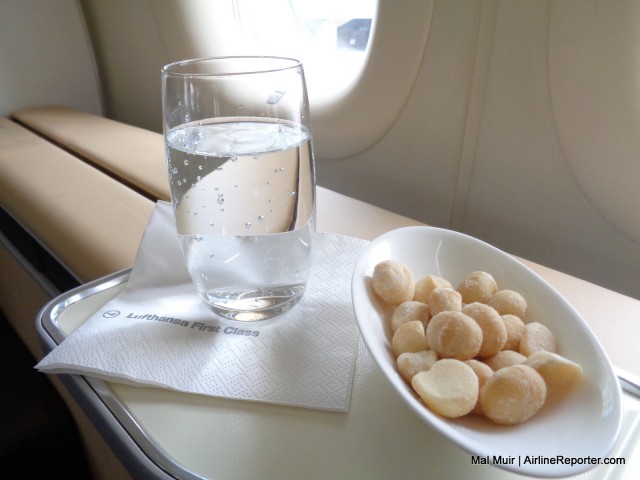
(132,155)
(89,221)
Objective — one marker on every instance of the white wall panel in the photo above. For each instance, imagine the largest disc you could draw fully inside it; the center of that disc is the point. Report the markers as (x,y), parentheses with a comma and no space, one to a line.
(523,196)
(46,57)
(503,177)
(130,52)
(594,76)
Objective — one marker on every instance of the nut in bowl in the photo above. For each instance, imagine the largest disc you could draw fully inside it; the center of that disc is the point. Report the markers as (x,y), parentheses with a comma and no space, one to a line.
(552,438)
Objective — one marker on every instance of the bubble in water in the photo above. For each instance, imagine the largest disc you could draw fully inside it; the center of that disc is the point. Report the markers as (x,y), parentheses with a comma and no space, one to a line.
(271,200)
(186,162)
(291,193)
(219,169)
(198,238)
(211,255)
(261,218)
(200,167)
(211,224)
(204,276)
(247,225)
(220,198)
(269,182)
(174,170)
(198,178)
(234,158)
(179,182)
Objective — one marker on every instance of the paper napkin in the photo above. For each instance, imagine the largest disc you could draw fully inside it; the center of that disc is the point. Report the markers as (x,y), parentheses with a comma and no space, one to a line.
(158,332)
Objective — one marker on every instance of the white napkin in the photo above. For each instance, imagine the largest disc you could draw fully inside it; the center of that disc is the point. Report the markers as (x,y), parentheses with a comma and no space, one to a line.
(158,332)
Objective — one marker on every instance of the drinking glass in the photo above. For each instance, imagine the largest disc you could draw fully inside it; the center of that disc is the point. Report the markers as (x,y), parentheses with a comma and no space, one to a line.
(242,177)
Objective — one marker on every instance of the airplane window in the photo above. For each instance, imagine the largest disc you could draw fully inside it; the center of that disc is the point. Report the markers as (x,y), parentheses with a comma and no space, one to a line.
(330,37)
(352,51)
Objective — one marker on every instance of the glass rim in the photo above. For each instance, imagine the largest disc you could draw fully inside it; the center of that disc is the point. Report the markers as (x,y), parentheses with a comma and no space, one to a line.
(170,69)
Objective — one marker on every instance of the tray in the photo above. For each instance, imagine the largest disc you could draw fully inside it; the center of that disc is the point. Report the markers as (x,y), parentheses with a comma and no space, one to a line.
(164,434)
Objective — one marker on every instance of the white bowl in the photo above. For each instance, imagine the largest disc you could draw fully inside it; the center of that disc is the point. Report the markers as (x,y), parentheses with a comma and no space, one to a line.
(579,427)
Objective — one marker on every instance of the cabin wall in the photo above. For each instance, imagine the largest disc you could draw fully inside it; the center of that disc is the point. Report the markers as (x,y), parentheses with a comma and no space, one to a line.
(46,57)
(475,148)
(130,52)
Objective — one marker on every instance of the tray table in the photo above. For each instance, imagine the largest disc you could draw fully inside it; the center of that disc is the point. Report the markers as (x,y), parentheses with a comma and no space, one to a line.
(164,434)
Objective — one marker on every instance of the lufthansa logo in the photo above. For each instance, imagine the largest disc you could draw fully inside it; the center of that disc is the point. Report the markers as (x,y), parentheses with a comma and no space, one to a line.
(111,314)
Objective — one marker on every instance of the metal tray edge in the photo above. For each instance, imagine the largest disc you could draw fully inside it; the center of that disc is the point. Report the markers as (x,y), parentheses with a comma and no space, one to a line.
(132,445)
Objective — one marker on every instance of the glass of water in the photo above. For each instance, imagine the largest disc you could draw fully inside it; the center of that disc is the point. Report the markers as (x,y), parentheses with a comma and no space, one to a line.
(242,177)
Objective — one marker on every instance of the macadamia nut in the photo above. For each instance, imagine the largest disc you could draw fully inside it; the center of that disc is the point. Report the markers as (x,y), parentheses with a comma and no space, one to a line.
(513,394)
(477,287)
(508,302)
(559,373)
(505,358)
(483,372)
(393,282)
(449,388)
(410,363)
(515,330)
(454,335)
(494,331)
(410,311)
(409,337)
(469,350)
(444,300)
(428,284)
(536,337)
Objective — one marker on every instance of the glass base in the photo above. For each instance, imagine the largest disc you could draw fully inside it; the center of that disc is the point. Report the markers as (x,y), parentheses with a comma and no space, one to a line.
(253,304)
